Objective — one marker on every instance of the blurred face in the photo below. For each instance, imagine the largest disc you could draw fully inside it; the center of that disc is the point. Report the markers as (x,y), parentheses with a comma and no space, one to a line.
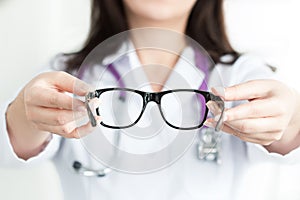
(159,10)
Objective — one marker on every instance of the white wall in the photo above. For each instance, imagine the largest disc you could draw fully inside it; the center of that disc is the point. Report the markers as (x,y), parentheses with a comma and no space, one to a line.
(268,28)
(32,31)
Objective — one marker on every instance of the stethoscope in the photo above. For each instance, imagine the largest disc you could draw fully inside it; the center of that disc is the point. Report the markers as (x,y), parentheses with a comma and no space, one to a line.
(208,148)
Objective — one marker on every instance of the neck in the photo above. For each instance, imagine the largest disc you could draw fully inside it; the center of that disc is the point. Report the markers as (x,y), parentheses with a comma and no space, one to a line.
(167,40)
(176,24)
(160,54)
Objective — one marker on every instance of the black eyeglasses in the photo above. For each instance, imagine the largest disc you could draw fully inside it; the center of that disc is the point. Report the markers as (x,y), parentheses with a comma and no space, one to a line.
(183,109)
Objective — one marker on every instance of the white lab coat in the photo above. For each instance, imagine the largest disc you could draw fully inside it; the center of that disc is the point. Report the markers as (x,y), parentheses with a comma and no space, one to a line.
(187,178)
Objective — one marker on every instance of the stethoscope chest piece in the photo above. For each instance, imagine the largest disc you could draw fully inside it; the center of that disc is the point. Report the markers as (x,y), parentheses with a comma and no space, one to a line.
(84,171)
(209,146)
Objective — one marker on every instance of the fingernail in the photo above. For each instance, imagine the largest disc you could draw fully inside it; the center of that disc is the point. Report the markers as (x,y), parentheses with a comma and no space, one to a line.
(83,87)
(217,117)
(208,124)
(219,91)
(98,119)
(210,107)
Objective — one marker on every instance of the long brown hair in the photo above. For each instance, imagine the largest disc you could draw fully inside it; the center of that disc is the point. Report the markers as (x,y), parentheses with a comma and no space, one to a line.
(205,25)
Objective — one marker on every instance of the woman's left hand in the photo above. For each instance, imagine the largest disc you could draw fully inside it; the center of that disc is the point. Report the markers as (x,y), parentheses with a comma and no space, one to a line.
(271,117)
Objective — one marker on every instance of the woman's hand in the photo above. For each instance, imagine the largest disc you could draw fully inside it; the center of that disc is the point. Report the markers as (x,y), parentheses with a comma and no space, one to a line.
(43,108)
(271,117)
(50,109)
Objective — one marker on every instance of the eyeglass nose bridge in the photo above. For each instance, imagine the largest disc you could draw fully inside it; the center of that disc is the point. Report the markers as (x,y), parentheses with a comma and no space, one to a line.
(149,96)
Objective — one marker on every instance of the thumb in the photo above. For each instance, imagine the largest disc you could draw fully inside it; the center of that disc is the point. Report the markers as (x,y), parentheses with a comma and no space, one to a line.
(68,83)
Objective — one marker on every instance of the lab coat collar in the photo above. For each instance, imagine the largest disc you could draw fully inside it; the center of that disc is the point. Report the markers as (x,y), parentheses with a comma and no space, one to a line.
(126,59)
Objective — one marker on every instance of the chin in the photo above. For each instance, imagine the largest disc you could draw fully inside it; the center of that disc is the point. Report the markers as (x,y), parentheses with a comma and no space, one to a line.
(159,10)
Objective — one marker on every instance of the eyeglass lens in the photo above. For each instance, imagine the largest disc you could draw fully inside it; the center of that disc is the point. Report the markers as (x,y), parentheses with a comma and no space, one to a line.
(180,109)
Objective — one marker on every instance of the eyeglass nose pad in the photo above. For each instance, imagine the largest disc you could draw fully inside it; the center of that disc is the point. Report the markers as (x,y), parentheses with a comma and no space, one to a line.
(98,111)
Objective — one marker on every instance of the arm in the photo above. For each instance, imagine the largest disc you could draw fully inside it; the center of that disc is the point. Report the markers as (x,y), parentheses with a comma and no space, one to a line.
(26,140)
(43,108)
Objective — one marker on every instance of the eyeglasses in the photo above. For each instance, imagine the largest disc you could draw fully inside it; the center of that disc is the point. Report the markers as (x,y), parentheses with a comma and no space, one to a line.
(183,109)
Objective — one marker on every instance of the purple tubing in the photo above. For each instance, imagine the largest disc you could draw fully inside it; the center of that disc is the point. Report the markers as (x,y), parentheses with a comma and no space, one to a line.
(201,62)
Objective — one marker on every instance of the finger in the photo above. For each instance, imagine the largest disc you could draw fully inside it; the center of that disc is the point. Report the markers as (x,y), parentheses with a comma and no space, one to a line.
(254,109)
(94,104)
(262,139)
(55,117)
(68,83)
(63,130)
(84,130)
(213,107)
(248,90)
(53,99)
(81,131)
(70,130)
(257,125)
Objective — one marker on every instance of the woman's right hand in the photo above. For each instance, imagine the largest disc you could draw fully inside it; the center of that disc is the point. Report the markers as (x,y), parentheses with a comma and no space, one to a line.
(50,109)
(43,107)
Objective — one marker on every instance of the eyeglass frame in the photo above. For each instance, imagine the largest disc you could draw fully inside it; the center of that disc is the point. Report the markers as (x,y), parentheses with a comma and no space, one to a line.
(156,97)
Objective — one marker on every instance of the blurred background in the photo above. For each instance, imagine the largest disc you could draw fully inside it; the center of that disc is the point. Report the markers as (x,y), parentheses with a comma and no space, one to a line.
(33,31)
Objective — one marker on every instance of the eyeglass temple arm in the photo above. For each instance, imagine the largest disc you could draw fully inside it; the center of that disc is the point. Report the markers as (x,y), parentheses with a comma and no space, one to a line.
(220,103)
(88,97)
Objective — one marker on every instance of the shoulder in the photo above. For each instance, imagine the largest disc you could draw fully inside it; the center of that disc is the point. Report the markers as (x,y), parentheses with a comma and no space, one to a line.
(249,62)
(251,66)
(57,62)
(246,67)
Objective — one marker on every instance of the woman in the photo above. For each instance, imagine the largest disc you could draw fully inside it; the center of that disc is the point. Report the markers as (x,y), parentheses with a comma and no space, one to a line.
(40,122)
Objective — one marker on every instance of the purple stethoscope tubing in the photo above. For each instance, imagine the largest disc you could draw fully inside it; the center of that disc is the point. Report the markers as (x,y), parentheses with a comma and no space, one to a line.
(201,63)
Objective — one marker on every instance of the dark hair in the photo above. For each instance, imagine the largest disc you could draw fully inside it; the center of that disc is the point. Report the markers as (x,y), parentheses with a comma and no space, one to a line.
(205,25)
